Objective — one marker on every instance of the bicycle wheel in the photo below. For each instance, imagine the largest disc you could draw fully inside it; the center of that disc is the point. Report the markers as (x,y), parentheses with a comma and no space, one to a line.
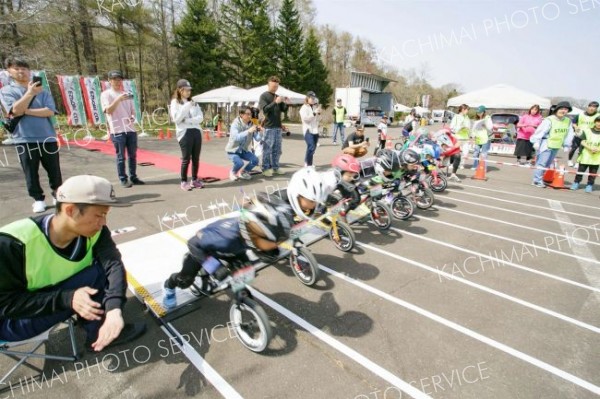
(251,324)
(425,198)
(438,186)
(345,237)
(402,207)
(305,266)
(381,215)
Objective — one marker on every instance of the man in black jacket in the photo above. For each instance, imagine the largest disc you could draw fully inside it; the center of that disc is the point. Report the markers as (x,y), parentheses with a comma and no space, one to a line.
(54,266)
(272,106)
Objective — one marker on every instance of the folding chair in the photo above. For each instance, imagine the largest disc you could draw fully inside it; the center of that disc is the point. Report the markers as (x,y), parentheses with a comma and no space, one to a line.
(22,357)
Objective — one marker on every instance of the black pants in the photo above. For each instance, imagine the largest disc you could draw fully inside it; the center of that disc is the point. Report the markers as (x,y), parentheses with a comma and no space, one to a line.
(30,157)
(381,146)
(591,178)
(575,146)
(455,161)
(191,144)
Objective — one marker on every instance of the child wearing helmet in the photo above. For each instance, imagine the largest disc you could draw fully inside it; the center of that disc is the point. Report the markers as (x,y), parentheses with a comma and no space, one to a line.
(307,189)
(349,168)
(450,151)
(254,235)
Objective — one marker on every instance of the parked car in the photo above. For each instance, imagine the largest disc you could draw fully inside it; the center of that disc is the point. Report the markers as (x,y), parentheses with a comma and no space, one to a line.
(505,127)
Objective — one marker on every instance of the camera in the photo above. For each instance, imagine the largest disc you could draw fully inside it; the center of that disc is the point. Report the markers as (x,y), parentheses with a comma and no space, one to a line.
(367,139)
(129,95)
(37,80)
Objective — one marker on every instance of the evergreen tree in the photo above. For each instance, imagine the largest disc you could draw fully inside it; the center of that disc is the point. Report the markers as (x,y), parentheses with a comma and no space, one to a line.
(315,77)
(290,43)
(201,54)
(248,39)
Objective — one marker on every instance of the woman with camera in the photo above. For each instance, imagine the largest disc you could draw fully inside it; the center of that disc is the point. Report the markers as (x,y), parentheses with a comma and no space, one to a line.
(309,114)
(187,116)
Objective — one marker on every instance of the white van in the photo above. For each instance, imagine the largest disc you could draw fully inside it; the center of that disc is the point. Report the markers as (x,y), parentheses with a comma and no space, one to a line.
(438,115)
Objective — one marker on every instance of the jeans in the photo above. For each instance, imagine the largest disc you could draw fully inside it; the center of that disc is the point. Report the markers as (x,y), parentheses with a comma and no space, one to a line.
(238,159)
(125,142)
(340,127)
(271,149)
(482,149)
(311,146)
(20,329)
(544,160)
(30,157)
(191,144)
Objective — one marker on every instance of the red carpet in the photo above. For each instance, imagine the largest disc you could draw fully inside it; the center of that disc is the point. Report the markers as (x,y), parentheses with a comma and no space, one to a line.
(164,161)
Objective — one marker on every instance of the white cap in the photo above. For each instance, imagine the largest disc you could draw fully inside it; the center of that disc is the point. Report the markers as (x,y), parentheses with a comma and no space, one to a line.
(87,189)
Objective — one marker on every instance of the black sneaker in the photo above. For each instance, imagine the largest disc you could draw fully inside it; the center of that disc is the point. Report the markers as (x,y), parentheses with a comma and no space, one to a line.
(129,332)
(126,183)
(137,181)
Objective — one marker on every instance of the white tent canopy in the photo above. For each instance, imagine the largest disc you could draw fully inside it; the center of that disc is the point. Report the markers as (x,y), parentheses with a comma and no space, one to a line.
(222,95)
(576,111)
(500,97)
(252,95)
(422,111)
(401,108)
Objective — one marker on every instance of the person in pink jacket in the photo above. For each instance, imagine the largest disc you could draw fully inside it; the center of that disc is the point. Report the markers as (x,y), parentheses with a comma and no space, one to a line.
(526,127)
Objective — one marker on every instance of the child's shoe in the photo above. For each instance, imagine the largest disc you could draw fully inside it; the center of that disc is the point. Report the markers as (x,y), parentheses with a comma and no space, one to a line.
(169,297)
(575,186)
(589,188)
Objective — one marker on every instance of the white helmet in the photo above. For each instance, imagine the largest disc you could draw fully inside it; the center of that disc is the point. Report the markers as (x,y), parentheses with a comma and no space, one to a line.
(308,183)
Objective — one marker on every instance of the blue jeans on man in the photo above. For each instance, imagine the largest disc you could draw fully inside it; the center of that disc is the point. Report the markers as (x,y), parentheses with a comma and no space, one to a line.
(21,329)
(238,159)
(544,160)
(482,149)
(271,149)
(340,127)
(125,143)
(311,146)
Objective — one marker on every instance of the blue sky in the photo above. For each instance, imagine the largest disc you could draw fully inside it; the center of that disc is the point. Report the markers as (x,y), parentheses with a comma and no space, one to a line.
(546,47)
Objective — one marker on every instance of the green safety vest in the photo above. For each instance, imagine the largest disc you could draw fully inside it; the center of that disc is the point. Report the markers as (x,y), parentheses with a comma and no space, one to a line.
(586,157)
(339,114)
(481,135)
(586,122)
(463,131)
(43,266)
(558,132)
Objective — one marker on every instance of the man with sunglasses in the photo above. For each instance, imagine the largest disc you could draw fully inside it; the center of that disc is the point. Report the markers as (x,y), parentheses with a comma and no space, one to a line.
(238,147)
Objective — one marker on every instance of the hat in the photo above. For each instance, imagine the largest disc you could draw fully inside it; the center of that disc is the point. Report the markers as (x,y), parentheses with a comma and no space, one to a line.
(384,117)
(564,104)
(87,189)
(183,84)
(481,109)
(593,104)
(311,94)
(115,74)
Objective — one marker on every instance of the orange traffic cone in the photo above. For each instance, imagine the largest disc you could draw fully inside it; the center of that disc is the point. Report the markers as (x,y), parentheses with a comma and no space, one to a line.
(169,136)
(219,132)
(559,178)
(161,135)
(480,171)
(206,135)
(550,174)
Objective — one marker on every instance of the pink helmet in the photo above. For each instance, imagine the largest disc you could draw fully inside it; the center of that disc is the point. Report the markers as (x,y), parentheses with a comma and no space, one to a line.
(346,163)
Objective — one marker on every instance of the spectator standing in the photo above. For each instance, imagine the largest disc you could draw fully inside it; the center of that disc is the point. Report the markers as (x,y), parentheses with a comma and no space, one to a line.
(120,114)
(339,115)
(526,127)
(310,113)
(241,135)
(482,128)
(187,116)
(589,157)
(34,135)
(584,123)
(381,134)
(554,132)
(272,106)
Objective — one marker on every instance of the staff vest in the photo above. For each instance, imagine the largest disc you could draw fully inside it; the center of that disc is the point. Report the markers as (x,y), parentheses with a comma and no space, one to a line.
(462,132)
(481,135)
(585,122)
(339,114)
(558,132)
(587,157)
(43,266)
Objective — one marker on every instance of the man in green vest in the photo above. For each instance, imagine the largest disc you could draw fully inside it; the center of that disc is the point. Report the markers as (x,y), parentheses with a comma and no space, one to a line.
(554,132)
(339,114)
(54,266)
(584,123)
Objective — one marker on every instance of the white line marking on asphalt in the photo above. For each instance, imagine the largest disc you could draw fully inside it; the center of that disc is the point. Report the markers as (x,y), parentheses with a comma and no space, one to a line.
(509,210)
(203,367)
(530,244)
(529,196)
(514,224)
(484,288)
(511,264)
(346,350)
(479,337)
(523,204)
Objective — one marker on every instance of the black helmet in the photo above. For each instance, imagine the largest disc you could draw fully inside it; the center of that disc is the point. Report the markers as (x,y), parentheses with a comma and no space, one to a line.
(272,216)
(409,157)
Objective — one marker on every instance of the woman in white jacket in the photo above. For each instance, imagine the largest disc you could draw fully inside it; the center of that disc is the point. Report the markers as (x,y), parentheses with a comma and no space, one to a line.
(309,114)
(187,116)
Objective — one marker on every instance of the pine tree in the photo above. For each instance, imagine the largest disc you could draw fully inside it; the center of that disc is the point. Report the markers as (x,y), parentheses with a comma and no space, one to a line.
(201,54)
(290,43)
(315,77)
